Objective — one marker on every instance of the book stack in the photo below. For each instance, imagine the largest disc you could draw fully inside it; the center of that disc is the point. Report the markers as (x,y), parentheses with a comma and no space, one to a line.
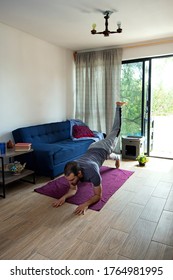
(21,147)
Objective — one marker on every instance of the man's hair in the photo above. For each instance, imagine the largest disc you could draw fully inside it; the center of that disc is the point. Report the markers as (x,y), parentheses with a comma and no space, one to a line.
(71,167)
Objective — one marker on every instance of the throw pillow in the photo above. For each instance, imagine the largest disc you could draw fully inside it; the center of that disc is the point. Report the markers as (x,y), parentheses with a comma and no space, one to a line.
(80,131)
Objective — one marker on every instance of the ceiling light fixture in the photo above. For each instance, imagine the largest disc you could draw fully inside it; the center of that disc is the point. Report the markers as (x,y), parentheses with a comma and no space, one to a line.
(106,32)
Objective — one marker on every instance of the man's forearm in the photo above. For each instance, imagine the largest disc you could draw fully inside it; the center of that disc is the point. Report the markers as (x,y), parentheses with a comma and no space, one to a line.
(92,200)
(70,193)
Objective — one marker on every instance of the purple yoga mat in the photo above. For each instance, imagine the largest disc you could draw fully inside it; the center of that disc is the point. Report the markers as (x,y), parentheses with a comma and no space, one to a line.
(112,180)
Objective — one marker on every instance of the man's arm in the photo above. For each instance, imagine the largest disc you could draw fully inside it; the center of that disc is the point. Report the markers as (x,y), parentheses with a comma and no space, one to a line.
(96,197)
(72,191)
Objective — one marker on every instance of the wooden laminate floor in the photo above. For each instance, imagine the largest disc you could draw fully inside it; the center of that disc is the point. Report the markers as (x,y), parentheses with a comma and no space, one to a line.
(136,223)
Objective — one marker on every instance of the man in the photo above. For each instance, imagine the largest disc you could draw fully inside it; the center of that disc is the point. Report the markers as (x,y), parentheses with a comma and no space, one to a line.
(86,168)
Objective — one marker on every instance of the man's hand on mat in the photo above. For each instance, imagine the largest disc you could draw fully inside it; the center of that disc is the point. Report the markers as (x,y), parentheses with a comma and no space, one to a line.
(81,209)
(58,202)
(72,191)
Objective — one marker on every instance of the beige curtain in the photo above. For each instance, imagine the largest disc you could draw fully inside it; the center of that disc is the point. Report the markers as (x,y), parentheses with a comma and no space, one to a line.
(98,75)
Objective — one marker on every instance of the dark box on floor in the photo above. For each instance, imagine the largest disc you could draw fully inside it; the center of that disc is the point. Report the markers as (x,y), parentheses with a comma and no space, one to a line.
(132,146)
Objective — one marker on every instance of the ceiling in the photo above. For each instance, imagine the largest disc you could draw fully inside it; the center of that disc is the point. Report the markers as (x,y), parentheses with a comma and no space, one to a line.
(67,23)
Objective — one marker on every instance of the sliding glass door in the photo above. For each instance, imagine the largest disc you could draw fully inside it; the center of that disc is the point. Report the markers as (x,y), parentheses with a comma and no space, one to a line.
(135,90)
(162,106)
(131,92)
(147,86)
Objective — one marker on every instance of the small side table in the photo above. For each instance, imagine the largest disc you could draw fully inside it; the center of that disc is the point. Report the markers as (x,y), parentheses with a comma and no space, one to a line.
(132,146)
(6,177)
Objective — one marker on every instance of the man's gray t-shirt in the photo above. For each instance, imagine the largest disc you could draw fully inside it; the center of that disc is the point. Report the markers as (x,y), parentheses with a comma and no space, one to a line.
(90,163)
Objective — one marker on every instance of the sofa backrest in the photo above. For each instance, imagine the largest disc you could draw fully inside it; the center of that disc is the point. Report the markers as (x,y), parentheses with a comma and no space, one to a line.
(43,133)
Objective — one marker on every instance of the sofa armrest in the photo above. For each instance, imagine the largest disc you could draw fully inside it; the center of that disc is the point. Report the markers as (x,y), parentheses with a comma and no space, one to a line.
(43,155)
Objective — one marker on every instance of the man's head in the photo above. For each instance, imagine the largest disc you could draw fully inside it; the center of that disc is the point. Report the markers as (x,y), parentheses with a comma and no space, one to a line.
(73,172)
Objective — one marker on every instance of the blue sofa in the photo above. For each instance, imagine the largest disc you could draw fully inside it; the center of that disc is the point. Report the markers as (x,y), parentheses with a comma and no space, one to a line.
(53,146)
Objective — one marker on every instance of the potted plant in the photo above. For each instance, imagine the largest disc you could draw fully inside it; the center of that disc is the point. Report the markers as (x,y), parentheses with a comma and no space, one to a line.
(142,159)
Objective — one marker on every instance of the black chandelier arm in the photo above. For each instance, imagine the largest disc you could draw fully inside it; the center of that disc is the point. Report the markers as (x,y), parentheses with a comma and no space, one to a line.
(117,31)
(106,32)
(95,32)
(100,33)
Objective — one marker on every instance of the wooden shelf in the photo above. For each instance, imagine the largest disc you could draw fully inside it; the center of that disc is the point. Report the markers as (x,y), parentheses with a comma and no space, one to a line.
(9,178)
(12,153)
(6,177)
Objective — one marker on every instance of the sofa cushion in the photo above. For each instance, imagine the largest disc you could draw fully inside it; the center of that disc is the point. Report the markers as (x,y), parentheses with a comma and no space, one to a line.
(67,149)
(80,131)
(43,133)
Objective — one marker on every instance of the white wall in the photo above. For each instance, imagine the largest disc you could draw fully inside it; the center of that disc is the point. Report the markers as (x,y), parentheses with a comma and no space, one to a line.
(36,81)
(150,50)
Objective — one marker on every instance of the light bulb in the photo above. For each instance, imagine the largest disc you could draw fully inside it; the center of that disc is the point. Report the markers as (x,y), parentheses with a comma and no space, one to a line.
(93,26)
(119,24)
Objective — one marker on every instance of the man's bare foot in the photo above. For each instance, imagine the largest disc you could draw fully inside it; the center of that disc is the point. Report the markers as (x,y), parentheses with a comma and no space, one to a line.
(121,103)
